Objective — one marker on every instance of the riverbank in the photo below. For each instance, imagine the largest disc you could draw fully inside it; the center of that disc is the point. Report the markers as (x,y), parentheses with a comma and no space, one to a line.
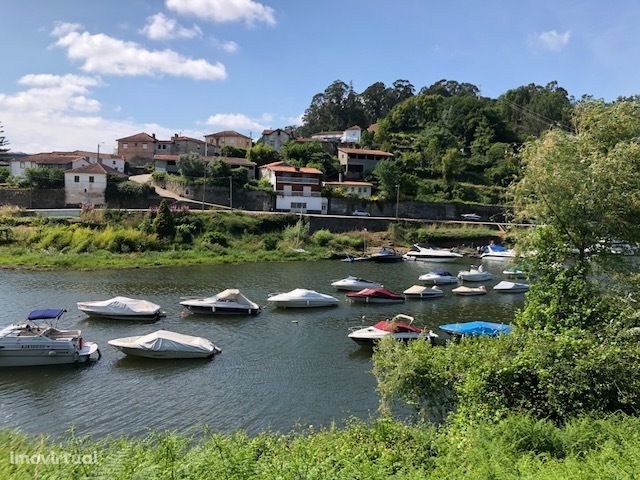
(516,447)
(115,239)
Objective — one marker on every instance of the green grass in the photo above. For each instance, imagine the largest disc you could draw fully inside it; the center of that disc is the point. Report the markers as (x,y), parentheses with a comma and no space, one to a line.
(515,448)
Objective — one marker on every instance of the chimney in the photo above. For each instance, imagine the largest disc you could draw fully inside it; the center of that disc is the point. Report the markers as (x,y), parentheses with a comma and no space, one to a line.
(153,135)
(175,135)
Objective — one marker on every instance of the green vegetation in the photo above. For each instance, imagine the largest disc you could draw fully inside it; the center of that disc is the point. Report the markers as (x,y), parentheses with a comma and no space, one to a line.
(516,447)
(44,177)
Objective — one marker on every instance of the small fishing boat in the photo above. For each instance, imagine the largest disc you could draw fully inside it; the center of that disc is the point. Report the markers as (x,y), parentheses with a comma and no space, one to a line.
(229,301)
(386,255)
(164,344)
(399,328)
(420,292)
(375,295)
(431,254)
(302,298)
(511,287)
(497,252)
(476,328)
(475,274)
(469,291)
(354,284)
(38,342)
(122,308)
(438,277)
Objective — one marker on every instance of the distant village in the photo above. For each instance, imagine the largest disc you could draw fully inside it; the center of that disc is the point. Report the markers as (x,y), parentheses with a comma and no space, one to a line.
(295,188)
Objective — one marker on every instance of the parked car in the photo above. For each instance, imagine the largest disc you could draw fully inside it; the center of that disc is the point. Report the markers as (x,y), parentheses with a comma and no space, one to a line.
(360,213)
(471,216)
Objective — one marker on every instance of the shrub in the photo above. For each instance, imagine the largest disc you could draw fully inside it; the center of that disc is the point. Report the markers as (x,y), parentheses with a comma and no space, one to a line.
(4,174)
(44,177)
(322,237)
(270,242)
(184,235)
(215,238)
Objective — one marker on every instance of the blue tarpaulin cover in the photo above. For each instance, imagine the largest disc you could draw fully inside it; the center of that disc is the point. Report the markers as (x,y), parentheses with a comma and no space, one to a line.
(497,248)
(477,328)
(45,314)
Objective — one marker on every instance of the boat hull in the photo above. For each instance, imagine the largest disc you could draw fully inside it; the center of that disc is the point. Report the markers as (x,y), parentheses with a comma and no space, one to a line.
(432,259)
(421,296)
(140,317)
(164,355)
(32,357)
(212,310)
(376,300)
(475,277)
(355,288)
(439,280)
(302,304)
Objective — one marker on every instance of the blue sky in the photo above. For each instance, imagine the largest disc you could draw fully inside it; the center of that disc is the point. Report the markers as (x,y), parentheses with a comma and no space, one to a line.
(79,73)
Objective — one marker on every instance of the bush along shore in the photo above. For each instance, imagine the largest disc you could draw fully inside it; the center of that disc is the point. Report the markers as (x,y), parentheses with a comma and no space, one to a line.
(514,447)
(178,236)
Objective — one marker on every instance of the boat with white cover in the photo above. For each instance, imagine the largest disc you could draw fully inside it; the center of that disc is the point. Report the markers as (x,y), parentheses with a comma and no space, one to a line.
(122,308)
(164,344)
(475,274)
(38,342)
(431,254)
(498,252)
(399,328)
(354,284)
(419,291)
(229,301)
(302,298)
(511,287)
(469,291)
(438,277)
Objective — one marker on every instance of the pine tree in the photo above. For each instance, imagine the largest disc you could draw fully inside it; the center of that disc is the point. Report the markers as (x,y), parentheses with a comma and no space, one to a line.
(3,141)
(163,224)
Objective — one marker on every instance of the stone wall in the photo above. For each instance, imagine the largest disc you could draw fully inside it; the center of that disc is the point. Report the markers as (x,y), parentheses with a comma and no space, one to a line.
(28,198)
(242,199)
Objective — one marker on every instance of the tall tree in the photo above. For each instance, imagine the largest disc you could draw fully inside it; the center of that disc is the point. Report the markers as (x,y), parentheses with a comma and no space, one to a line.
(3,141)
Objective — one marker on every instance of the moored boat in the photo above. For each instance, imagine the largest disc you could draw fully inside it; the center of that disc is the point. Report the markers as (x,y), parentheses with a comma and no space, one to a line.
(475,274)
(229,301)
(421,292)
(438,277)
(431,254)
(386,255)
(476,328)
(302,298)
(498,252)
(354,284)
(122,308)
(469,291)
(164,344)
(37,342)
(511,287)
(399,328)
(375,295)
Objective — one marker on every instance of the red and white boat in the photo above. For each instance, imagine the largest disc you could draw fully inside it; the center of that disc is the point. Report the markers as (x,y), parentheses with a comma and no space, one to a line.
(375,295)
(400,328)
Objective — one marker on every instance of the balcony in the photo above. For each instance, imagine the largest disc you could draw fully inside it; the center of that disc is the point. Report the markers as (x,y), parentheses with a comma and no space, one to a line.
(298,194)
(298,180)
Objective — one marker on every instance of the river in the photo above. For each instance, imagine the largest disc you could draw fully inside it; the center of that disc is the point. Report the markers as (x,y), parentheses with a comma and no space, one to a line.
(278,370)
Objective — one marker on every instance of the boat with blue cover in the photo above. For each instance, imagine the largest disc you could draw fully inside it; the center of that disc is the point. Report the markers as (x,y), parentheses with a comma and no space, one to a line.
(477,328)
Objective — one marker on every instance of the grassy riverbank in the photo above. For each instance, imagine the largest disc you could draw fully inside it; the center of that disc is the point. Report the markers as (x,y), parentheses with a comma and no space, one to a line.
(517,447)
(114,239)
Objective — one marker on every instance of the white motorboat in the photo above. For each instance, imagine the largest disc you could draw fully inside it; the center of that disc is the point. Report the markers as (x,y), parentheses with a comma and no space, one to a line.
(418,291)
(469,291)
(511,287)
(438,277)
(302,298)
(164,344)
(475,274)
(514,272)
(399,328)
(431,254)
(229,301)
(122,308)
(498,252)
(40,343)
(354,284)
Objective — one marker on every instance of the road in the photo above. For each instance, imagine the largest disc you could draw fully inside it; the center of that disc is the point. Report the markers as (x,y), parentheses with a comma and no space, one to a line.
(164,193)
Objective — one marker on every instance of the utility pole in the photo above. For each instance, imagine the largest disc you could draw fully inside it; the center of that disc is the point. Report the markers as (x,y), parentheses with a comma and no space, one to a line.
(397,199)
(231,192)
(204,183)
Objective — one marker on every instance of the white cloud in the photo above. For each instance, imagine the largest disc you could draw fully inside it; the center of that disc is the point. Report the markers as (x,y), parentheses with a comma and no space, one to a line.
(228,46)
(239,121)
(297,120)
(248,11)
(103,54)
(161,27)
(56,112)
(553,40)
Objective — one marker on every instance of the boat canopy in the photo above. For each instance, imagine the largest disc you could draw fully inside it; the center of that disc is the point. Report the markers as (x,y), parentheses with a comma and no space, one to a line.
(442,272)
(496,248)
(233,295)
(396,327)
(477,328)
(48,313)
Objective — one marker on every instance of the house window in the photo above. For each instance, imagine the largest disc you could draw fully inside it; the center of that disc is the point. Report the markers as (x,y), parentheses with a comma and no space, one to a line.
(113,162)
(144,146)
(76,179)
(125,145)
(298,206)
(21,164)
(90,179)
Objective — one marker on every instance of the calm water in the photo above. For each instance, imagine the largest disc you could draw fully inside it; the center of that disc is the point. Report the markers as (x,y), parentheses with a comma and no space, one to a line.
(273,373)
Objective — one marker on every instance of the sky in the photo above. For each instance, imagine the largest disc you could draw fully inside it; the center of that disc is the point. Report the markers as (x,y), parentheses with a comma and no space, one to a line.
(78,74)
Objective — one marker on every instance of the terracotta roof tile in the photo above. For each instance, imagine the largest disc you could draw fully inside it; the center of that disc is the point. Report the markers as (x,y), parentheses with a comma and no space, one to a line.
(96,168)
(227,133)
(138,137)
(285,167)
(349,184)
(365,152)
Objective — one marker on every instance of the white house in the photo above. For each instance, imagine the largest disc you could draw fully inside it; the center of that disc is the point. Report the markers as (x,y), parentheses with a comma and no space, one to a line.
(61,160)
(351,135)
(275,138)
(360,189)
(298,189)
(87,184)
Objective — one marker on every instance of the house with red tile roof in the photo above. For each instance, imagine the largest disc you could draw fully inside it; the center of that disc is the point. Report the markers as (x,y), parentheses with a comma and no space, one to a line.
(275,138)
(298,189)
(356,163)
(87,184)
(229,138)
